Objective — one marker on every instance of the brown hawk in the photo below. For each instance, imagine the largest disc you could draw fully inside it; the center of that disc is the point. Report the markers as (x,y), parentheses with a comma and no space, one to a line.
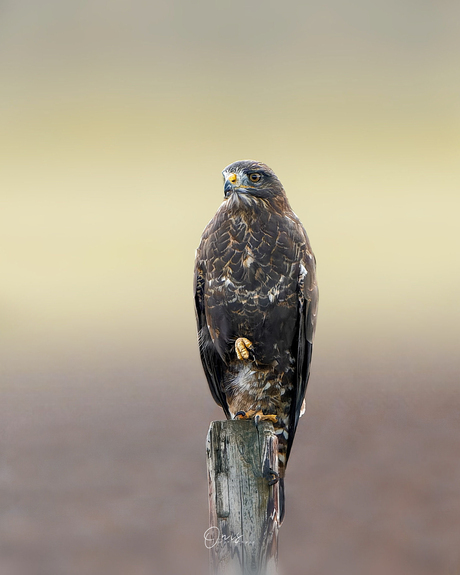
(256,299)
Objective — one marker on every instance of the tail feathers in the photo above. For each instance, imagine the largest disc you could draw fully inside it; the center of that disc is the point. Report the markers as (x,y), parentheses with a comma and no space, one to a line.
(281,499)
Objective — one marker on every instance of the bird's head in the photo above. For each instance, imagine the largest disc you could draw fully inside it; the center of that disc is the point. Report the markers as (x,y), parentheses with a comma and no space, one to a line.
(249,179)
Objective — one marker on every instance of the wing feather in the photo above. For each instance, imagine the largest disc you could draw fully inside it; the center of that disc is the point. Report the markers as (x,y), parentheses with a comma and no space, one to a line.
(213,365)
(303,343)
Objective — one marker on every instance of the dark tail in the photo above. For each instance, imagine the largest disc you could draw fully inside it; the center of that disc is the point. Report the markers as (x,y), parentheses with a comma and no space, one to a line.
(281,498)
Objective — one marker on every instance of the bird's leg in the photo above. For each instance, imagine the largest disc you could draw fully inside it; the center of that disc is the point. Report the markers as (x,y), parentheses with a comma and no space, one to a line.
(242,347)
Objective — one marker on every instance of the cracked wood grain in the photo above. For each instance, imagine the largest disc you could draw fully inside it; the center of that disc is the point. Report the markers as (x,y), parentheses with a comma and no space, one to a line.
(244,508)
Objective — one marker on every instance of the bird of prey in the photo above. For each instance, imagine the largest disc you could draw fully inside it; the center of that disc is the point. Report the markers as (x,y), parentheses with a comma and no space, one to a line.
(256,301)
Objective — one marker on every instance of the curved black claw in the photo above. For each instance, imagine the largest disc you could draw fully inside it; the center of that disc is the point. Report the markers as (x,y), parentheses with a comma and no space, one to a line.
(240,414)
(272,477)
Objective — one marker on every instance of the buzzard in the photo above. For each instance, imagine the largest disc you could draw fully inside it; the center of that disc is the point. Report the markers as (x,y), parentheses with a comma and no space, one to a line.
(256,300)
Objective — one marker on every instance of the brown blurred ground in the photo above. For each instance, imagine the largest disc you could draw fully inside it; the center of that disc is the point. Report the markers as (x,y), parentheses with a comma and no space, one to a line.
(105,473)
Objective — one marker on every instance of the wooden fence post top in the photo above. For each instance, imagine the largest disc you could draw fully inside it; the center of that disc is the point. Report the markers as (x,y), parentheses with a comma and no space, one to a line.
(243,498)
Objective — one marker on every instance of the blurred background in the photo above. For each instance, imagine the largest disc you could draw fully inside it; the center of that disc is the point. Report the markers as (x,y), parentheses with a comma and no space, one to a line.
(116,121)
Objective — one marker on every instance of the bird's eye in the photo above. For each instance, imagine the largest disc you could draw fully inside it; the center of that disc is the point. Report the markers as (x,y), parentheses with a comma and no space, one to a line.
(254,177)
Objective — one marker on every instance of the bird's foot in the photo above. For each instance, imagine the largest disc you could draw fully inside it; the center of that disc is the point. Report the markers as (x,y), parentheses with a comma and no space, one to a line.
(272,476)
(242,347)
(260,416)
(245,414)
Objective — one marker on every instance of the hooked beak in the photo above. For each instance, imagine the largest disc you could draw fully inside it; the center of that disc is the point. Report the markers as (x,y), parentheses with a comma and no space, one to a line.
(231,182)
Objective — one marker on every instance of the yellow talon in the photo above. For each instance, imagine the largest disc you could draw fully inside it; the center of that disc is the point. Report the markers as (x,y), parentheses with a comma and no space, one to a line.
(242,347)
(259,416)
(245,414)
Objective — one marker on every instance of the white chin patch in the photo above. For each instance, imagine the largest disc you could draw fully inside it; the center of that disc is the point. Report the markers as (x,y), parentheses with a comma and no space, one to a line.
(238,199)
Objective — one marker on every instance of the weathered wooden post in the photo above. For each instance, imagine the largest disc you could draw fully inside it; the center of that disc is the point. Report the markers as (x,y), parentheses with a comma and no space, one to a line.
(243,498)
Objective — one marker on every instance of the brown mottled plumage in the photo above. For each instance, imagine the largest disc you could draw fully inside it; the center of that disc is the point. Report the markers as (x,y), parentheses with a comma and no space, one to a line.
(255,279)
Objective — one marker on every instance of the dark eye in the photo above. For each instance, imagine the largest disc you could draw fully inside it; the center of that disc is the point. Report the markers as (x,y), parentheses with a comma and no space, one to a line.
(254,177)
